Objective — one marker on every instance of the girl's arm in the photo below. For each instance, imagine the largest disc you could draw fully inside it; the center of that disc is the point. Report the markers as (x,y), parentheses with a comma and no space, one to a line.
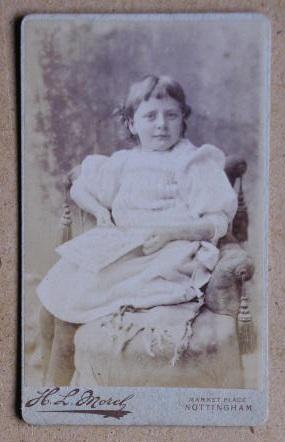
(95,188)
(198,230)
(210,227)
(88,203)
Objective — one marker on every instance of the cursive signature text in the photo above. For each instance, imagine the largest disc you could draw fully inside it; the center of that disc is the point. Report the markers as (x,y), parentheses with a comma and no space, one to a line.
(76,398)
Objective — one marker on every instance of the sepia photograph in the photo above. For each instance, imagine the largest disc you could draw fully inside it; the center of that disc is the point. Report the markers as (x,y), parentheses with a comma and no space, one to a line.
(144,208)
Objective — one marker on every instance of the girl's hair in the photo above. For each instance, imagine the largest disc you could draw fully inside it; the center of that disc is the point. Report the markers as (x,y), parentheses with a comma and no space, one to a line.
(156,87)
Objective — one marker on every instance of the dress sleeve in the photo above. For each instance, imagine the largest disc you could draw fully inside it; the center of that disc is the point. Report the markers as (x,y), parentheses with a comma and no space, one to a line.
(99,178)
(209,192)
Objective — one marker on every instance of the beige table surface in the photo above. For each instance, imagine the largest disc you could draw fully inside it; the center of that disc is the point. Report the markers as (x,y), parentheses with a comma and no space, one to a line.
(11,427)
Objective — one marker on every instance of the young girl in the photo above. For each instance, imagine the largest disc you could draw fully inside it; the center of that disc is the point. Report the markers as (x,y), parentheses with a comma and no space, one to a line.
(160,207)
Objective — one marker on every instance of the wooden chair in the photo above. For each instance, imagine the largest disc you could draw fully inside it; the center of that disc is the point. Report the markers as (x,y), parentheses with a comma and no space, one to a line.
(208,362)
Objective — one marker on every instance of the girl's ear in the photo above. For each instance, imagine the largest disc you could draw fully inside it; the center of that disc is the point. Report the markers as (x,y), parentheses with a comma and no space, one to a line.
(132,127)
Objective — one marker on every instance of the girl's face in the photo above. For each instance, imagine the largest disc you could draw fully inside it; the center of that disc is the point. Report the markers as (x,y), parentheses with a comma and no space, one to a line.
(158,123)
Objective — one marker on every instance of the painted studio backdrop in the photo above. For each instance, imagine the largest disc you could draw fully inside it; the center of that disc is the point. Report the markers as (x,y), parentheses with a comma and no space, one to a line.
(78,72)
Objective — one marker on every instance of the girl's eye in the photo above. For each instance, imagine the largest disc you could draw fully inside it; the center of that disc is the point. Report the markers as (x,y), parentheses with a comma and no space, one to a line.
(150,116)
(172,115)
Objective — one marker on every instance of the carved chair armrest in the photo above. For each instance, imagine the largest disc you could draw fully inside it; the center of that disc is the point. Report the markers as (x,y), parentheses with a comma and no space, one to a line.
(68,180)
(224,291)
(73,174)
(235,167)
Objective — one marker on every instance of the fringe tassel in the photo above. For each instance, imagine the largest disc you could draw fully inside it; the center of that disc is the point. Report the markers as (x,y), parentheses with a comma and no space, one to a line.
(245,327)
(149,342)
(182,346)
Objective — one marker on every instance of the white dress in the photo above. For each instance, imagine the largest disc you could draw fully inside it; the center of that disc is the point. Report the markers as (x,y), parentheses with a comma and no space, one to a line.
(105,268)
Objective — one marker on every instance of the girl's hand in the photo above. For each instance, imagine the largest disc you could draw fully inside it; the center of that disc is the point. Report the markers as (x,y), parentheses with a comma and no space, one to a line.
(155,242)
(103,217)
(196,231)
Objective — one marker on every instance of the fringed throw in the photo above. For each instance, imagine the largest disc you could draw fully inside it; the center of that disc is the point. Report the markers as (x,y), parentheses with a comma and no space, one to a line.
(158,340)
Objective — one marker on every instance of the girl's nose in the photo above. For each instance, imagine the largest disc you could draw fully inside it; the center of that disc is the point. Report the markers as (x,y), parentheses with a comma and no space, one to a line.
(161,121)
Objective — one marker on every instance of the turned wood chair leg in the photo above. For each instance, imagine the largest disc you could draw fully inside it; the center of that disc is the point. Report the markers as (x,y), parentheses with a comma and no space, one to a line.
(46,339)
(61,363)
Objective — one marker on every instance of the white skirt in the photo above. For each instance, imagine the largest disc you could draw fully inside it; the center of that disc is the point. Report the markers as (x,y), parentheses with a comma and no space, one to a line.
(105,268)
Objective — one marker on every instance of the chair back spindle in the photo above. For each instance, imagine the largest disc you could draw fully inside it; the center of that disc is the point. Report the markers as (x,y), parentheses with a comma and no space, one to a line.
(240,222)
(65,230)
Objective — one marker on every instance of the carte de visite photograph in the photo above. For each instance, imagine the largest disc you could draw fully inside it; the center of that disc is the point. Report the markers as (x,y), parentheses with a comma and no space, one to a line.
(144,217)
